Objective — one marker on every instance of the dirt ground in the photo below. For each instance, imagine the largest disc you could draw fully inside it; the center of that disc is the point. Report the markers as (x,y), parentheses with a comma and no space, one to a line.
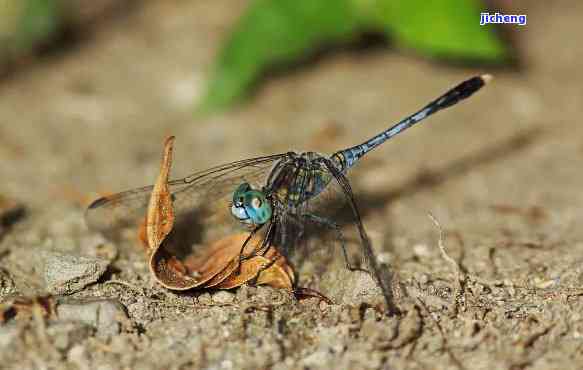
(501,173)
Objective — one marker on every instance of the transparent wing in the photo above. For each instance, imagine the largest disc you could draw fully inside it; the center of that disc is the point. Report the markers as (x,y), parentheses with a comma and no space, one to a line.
(313,231)
(381,275)
(321,232)
(200,198)
(328,233)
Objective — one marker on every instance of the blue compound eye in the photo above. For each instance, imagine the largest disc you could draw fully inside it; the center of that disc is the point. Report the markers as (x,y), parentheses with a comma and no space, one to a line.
(250,206)
(239,194)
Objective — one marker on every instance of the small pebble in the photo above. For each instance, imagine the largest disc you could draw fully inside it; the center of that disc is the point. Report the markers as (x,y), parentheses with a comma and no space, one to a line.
(104,315)
(223,297)
(67,274)
(421,250)
(357,287)
(423,278)
(204,299)
(64,335)
(8,334)
(545,284)
(78,356)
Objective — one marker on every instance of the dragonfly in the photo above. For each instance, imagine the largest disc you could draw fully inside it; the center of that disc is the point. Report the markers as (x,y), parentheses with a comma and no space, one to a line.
(279,198)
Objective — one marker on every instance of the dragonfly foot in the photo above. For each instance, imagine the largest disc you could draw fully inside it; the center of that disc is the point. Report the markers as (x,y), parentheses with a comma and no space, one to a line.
(306,293)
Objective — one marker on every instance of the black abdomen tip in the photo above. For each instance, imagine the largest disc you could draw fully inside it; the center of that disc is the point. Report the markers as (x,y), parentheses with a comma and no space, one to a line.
(468,87)
(462,91)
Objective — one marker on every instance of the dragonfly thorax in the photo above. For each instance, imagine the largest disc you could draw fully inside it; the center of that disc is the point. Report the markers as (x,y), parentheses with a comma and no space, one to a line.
(250,206)
(298,178)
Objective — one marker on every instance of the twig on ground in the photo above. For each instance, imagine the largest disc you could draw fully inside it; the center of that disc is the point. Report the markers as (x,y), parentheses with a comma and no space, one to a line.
(459,275)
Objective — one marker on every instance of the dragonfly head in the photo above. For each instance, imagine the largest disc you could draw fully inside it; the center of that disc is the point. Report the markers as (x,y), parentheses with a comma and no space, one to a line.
(250,206)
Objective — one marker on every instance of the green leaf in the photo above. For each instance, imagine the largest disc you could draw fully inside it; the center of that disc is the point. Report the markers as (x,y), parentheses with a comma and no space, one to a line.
(276,32)
(25,24)
(271,33)
(447,29)
(39,22)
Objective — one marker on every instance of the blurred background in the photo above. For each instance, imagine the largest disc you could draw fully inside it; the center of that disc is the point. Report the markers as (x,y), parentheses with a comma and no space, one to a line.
(89,89)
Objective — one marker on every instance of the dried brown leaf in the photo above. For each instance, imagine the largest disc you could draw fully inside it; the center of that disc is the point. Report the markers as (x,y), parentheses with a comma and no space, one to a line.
(142,235)
(160,217)
(220,265)
(229,253)
(268,269)
(275,275)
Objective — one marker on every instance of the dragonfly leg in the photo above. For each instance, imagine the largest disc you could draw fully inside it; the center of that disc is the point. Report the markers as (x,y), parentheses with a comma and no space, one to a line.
(303,293)
(257,250)
(263,268)
(295,219)
(336,228)
(242,257)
